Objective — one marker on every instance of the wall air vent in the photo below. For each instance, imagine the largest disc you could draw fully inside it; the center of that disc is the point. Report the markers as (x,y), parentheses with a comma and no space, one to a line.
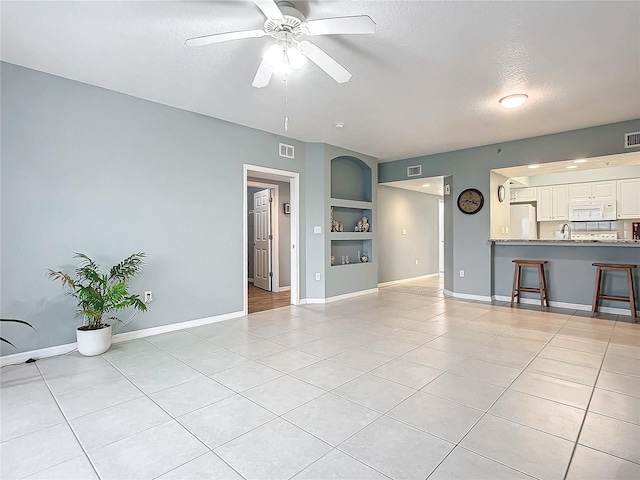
(286,150)
(414,171)
(632,139)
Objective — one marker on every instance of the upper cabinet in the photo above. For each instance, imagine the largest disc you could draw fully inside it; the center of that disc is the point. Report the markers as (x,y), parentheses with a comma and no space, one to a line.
(553,203)
(592,192)
(628,198)
(527,194)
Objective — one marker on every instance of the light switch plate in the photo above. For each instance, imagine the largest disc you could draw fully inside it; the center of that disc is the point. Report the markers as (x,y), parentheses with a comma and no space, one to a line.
(447,189)
(317,229)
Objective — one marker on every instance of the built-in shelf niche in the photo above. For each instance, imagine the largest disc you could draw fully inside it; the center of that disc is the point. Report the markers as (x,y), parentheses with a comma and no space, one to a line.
(350,179)
(350,248)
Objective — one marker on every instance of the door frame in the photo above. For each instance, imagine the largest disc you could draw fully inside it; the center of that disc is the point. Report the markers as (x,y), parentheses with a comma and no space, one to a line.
(294,187)
(275,251)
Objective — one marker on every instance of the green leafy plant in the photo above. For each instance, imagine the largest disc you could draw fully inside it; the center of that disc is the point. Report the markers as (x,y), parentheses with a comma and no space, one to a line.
(100,293)
(16,321)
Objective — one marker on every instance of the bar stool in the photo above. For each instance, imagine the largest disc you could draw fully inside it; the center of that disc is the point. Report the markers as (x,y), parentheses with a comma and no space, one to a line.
(542,281)
(598,295)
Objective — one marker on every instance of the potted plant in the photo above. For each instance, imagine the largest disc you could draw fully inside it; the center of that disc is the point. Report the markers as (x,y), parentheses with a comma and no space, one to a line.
(15,321)
(98,294)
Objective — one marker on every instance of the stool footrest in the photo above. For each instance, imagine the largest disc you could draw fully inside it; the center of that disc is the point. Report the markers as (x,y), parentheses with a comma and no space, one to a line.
(529,289)
(618,298)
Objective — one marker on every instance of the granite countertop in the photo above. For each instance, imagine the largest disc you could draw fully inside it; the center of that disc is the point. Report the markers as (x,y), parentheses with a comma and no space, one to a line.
(564,242)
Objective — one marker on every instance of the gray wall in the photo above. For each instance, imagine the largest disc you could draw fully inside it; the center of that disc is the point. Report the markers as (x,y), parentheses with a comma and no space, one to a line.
(416,212)
(90,170)
(470,169)
(284,230)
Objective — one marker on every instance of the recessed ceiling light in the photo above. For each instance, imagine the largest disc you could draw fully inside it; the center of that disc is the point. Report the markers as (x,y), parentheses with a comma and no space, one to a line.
(513,101)
(533,166)
(426,185)
(339,124)
(571,166)
(580,160)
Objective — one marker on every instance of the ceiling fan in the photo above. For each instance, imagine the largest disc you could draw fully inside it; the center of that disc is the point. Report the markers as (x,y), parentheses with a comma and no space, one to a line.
(287,25)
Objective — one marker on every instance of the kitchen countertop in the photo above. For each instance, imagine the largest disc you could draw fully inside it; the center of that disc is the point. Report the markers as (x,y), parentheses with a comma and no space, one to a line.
(567,243)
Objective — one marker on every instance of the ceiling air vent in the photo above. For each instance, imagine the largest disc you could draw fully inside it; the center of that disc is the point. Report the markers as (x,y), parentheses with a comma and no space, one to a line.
(286,150)
(632,139)
(414,171)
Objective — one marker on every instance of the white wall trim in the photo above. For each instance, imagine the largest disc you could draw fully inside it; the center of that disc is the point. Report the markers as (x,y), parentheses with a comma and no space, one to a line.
(274,192)
(22,357)
(574,306)
(405,280)
(172,327)
(468,296)
(294,219)
(337,298)
(285,289)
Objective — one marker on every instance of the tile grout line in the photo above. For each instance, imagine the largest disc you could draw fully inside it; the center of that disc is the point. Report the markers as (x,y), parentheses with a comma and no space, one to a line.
(586,410)
(68,422)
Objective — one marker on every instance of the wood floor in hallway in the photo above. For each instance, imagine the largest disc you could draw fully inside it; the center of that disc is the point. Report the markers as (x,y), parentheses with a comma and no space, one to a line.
(260,300)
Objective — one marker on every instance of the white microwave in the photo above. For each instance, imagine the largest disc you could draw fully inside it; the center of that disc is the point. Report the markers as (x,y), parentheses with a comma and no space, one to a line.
(593,212)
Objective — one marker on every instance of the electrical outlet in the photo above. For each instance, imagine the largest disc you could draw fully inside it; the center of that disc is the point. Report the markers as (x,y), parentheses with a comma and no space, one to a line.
(462,273)
(404,231)
(493,229)
(506,229)
(148,297)
(416,262)
(318,276)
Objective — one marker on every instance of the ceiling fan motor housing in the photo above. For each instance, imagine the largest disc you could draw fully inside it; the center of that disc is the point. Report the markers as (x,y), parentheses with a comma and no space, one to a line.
(292,22)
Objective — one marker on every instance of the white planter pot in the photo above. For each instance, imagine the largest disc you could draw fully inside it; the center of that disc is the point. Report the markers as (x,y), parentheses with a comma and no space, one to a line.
(94,342)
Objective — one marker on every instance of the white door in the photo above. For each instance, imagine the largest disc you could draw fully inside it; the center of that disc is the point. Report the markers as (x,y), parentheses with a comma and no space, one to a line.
(262,239)
(441,236)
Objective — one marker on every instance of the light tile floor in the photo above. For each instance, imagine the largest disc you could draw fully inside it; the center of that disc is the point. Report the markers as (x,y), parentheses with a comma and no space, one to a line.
(402,384)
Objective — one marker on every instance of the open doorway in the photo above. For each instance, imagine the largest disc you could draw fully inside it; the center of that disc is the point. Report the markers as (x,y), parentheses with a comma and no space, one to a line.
(271,229)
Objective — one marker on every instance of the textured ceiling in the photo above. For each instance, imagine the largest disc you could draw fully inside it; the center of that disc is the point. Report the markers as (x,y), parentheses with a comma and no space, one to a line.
(428,81)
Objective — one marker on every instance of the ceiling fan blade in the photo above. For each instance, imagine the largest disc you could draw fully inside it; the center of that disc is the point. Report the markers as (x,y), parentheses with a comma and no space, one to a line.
(269,8)
(360,24)
(223,37)
(324,61)
(263,75)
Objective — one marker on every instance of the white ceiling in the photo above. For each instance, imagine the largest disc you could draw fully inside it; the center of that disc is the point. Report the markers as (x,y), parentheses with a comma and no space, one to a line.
(430,185)
(428,81)
(608,161)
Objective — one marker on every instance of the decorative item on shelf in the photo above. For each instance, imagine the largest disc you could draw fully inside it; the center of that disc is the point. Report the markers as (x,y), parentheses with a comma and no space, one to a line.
(347,259)
(343,260)
(364,258)
(362,225)
(333,260)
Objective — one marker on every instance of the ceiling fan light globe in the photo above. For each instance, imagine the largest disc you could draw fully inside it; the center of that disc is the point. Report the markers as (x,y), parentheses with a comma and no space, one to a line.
(296,59)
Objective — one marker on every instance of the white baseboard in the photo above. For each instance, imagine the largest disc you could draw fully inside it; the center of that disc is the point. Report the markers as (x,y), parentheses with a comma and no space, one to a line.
(337,298)
(117,338)
(285,289)
(172,327)
(22,357)
(405,280)
(573,306)
(468,296)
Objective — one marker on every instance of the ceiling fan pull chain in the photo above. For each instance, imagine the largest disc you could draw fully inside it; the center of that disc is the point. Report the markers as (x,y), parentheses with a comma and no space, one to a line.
(286,104)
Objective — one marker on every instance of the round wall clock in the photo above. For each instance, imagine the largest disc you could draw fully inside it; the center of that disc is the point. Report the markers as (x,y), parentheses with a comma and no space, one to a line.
(501,193)
(470,201)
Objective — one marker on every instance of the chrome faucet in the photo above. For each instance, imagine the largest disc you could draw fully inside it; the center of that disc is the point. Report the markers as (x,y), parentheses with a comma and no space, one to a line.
(565,230)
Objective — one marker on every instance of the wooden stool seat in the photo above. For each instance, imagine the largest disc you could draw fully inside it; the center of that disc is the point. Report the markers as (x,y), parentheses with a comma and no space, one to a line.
(542,281)
(598,295)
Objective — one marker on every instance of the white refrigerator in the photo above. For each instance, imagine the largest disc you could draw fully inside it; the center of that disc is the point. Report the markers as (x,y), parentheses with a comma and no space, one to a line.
(523,222)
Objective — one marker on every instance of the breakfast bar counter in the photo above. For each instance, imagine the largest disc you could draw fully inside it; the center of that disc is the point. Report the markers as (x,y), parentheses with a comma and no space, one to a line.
(570,273)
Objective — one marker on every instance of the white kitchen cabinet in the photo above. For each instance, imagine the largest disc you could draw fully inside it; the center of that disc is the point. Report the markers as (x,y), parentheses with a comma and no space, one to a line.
(544,211)
(527,194)
(560,202)
(553,203)
(628,196)
(592,192)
